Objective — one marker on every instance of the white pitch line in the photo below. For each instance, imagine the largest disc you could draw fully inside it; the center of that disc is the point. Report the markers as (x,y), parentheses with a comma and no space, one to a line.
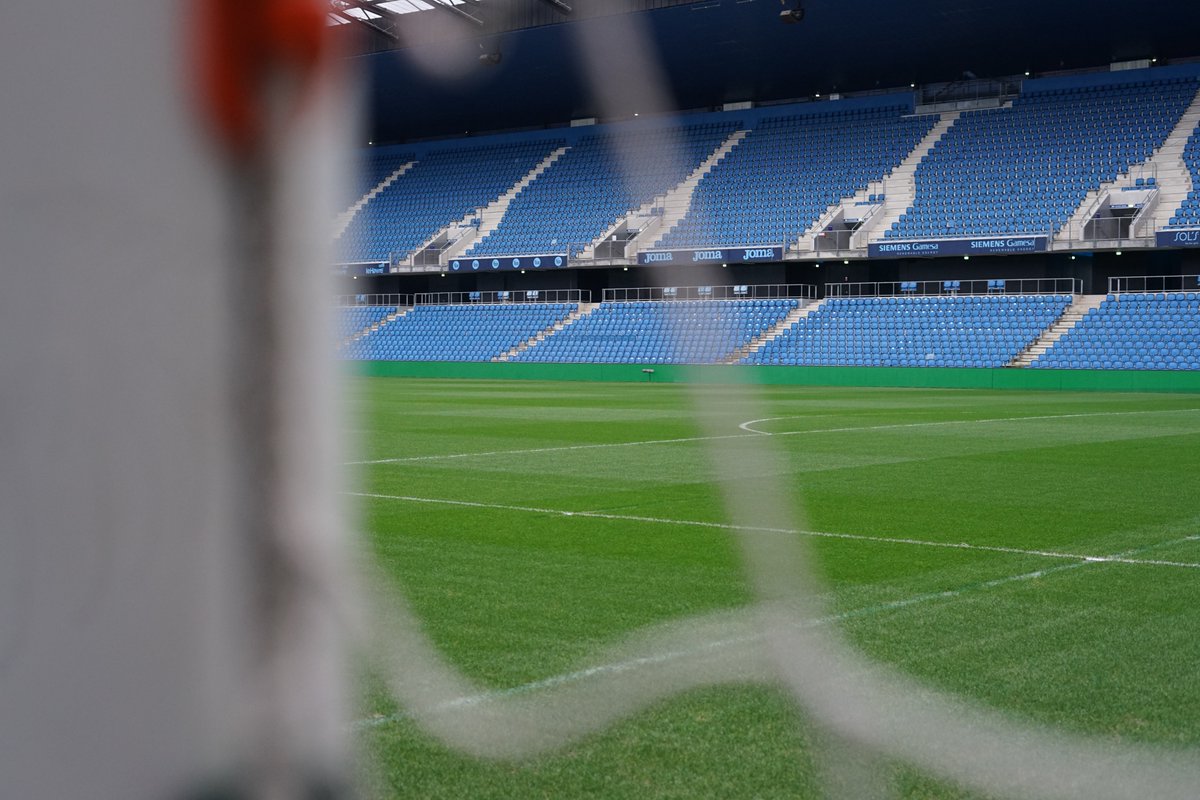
(534,450)
(752,432)
(661,658)
(748,426)
(787,531)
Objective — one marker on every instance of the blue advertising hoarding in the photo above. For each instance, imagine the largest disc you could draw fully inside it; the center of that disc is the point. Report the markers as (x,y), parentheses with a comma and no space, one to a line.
(1178,238)
(712,255)
(498,263)
(958,247)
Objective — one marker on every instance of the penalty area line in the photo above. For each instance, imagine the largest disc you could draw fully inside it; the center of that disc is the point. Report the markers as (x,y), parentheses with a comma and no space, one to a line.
(858,537)
(749,425)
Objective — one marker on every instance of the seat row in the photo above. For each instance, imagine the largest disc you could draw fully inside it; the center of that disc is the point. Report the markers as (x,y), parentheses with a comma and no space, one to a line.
(1127,331)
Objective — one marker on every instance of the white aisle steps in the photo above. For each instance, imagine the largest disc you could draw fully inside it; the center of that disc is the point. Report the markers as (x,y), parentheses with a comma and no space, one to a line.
(343,220)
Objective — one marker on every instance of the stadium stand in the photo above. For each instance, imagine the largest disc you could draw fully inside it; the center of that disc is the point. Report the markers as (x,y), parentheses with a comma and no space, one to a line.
(944,331)
(599,180)
(662,332)
(789,170)
(444,186)
(1159,331)
(1018,170)
(1149,331)
(1025,169)
(458,332)
(1188,214)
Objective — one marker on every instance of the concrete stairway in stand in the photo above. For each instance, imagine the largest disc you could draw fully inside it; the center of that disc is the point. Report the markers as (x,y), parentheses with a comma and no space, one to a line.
(1174,180)
(367,331)
(675,204)
(1170,174)
(899,188)
(493,213)
(576,315)
(794,316)
(1070,318)
(343,220)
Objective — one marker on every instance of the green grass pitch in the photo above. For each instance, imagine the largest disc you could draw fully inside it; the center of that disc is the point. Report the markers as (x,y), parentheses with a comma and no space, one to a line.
(516,596)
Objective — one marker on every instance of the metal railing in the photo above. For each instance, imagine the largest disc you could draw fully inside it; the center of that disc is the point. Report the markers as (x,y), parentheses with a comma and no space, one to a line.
(431,255)
(1117,228)
(503,297)
(981,286)
(349,300)
(798,291)
(1137,284)
(834,242)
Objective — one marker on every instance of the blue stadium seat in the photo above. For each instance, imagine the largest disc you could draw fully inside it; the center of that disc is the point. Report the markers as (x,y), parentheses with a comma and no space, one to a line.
(1158,331)
(943,331)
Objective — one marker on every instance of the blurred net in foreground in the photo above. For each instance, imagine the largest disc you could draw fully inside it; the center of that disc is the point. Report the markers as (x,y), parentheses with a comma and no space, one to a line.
(173,601)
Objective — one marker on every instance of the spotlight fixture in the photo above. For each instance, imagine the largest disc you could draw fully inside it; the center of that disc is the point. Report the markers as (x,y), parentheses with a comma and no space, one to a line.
(790,16)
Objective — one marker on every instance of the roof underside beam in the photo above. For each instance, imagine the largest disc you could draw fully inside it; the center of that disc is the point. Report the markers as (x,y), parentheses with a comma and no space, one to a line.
(380,20)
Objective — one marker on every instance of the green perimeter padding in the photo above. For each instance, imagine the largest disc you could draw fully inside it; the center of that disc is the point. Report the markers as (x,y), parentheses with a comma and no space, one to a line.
(1074,380)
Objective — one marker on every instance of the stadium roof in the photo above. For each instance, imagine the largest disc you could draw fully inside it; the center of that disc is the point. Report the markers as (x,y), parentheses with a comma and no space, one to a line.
(389,25)
(430,79)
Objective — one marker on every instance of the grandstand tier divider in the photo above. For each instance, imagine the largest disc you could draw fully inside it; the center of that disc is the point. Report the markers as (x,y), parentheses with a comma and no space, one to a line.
(899,188)
(344,219)
(1079,308)
(753,346)
(489,217)
(675,204)
(582,310)
(1172,183)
